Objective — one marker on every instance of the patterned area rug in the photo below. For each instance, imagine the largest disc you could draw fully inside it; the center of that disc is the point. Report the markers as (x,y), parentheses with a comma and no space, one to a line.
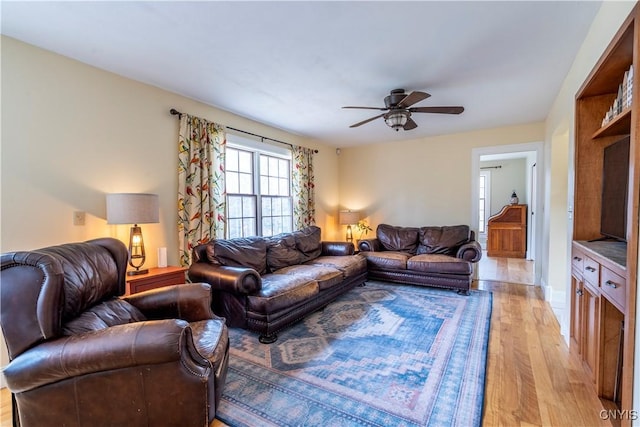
(380,355)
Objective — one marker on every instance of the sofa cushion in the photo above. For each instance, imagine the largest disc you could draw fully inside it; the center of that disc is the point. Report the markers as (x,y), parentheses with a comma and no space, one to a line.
(326,276)
(403,239)
(442,240)
(387,260)
(282,251)
(350,265)
(439,263)
(308,242)
(280,291)
(239,252)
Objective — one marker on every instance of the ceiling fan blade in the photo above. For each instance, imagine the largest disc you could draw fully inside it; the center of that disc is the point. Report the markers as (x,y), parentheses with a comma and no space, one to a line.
(411,124)
(369,108)
(366,121)
(441,110)
(412,98)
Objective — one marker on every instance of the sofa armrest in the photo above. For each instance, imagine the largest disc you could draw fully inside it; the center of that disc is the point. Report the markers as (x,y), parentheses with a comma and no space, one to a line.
(190,302)
(235,280)
(471,251)
(337,248)
(369,245)
(118,347)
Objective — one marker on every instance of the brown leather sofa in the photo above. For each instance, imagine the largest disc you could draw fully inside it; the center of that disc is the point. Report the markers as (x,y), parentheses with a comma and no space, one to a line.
(267,283)
(431,256)
(82,355)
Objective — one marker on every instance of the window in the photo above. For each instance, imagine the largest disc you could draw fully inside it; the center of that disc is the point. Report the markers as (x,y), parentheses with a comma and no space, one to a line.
(483,208)
(258,179)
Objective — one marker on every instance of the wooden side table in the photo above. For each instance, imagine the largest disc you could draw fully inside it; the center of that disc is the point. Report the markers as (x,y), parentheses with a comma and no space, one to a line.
(156,278)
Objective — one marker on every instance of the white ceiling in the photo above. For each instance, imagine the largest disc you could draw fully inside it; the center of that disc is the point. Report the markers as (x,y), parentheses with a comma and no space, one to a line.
(293,65)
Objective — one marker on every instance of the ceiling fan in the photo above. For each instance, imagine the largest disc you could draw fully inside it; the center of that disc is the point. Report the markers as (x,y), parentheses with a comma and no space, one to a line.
(398,109)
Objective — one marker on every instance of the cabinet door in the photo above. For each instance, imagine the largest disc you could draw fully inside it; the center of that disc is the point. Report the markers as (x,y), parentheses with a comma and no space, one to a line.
(576,314)
(590,331)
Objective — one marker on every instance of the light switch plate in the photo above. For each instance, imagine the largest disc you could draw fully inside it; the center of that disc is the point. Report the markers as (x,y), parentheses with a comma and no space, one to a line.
(79,217)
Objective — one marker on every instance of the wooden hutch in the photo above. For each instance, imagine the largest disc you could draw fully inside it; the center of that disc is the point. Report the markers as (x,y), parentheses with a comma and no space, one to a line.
(604,272)
(507,232)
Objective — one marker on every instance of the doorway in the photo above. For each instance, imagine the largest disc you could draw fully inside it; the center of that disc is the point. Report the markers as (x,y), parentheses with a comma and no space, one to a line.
(510,168)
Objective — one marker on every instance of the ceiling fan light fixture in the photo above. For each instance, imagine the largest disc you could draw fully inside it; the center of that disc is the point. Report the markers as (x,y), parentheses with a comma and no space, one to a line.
(397,119)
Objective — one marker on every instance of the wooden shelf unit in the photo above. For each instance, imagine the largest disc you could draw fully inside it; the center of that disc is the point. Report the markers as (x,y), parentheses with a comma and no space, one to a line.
(611,288)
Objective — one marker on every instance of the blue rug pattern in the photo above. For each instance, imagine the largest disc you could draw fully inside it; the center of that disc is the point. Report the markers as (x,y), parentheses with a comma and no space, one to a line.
(380,355)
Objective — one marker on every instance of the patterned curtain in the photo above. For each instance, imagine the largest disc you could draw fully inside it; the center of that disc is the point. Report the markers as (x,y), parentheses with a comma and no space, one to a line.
(201,186)
(304,208)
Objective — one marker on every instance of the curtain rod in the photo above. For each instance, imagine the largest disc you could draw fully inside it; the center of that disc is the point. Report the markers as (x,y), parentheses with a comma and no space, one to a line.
(491,167)
(175,112)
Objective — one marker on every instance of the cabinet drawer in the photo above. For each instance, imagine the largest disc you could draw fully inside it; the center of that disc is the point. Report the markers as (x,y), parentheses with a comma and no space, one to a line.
(614,287)
(577,260)
(591,271)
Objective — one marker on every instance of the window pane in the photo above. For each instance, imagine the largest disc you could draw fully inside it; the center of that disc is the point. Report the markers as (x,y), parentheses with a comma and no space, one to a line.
(273,186)
(266,206)
(234,228)
(267,230)
(264,184)
(248,207)
(286,207)
(283,187)
(246,184)
(264,164)
(235,207)
(245,162)
(232,182)
(276,206)
(283,169)
(273,166)
(231,159)
(249,227)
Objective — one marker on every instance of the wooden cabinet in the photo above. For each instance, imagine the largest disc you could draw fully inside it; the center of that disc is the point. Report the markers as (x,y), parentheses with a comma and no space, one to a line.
(507,232)
(604,272)
(156,278)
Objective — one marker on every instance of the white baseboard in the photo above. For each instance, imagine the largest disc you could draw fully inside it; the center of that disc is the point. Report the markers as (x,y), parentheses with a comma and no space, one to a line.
(557,301)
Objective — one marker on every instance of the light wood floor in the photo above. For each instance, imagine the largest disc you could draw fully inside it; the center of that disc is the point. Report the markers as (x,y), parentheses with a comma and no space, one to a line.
(532,378)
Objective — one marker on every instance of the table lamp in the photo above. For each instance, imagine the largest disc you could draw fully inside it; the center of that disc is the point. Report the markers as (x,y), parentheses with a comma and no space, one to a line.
(133,208)
(347,218)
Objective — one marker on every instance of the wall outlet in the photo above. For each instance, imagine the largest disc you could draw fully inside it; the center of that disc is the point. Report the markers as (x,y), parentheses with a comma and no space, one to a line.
(79,217)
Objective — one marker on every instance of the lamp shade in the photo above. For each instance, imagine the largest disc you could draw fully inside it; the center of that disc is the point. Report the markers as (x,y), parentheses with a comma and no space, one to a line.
(132,208)
(348,217)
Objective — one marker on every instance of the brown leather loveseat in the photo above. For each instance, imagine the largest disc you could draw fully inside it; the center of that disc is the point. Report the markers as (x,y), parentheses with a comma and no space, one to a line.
(431,256)
(267,283)
(82,355)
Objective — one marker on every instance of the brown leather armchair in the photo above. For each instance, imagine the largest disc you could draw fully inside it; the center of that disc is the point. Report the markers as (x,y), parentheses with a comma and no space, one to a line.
(81,354)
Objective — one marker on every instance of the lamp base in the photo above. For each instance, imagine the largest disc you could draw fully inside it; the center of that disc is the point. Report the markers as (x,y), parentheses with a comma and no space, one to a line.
(137,272)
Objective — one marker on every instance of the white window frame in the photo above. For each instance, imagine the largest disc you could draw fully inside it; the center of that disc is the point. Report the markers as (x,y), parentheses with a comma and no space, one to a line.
(259,148)
(486,198)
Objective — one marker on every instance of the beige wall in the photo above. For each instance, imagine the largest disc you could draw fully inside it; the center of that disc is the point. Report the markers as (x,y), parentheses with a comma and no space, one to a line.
(71,133)
(423,181)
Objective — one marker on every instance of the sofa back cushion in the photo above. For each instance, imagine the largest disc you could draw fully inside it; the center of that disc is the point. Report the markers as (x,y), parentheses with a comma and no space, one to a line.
(240,252)
(443,240)
(308,242)
(282,252)
(403,239)
(286,249)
